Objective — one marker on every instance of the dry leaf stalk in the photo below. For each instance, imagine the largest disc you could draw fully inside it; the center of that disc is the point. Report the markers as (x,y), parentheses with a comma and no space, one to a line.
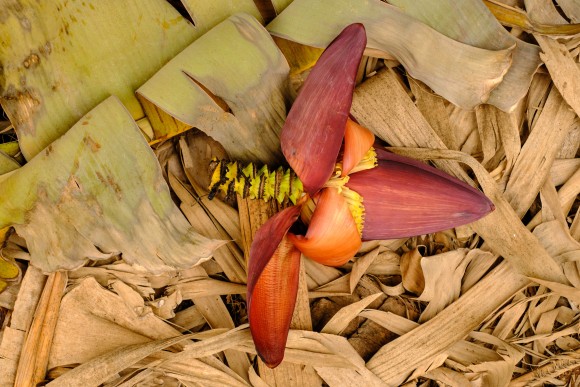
(33,362)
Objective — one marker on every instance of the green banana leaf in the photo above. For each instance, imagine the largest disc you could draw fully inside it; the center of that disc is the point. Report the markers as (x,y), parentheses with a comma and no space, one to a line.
(231,83)
(61,58)
(207,14)
(99,191)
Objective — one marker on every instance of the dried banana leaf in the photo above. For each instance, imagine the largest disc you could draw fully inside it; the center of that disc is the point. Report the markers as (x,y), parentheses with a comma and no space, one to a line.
(563,69)
(463,74)
(61,58)
(99,191)
(471,22)
(88,310)
(515,17)
(571,8)
(237,64)
(7,163)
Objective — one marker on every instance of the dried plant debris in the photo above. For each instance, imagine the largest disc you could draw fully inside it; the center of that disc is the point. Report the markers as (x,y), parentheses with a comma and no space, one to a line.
(492,303)
(472,23)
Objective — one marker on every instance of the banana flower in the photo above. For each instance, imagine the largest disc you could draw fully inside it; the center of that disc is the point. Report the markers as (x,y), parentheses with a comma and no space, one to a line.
(367,194)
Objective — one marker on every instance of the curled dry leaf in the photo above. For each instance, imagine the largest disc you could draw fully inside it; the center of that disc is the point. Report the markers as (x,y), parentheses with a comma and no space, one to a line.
(472,23)
(443,274)
(411,271)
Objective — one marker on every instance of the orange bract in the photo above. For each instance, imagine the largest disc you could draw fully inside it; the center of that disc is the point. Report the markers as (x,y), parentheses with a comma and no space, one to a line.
(332,237)
(272,302)
(357,141)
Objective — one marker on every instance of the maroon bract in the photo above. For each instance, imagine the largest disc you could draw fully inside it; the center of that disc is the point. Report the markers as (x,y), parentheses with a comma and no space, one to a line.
(314,128)
(414,199)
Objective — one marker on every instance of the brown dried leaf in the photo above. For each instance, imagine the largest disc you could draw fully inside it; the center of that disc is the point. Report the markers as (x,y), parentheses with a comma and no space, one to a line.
(443,274)
(412,272)
(472,23)
(563,70)
(343,317)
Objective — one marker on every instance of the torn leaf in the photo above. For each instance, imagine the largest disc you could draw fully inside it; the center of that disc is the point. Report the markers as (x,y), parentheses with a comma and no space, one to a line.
(99,191)
(61,58)
(231,83)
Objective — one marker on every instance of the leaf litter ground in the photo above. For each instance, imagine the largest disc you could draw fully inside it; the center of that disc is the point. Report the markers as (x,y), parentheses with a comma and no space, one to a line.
(493,303)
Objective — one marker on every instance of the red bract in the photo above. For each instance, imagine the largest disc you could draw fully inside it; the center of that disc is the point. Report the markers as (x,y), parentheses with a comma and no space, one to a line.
(368,194)
(272,310)
(312,135)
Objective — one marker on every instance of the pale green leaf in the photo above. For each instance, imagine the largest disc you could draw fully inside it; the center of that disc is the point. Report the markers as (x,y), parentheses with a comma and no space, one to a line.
(96,191)
(10,148)
(463,74)
(61,58)
(238,62)
(280,5)
(207,14)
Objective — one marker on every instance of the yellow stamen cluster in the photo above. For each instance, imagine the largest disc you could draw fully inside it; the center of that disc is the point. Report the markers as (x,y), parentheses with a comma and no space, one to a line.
(353,199)
(231,177)
(369,161)
(356,207)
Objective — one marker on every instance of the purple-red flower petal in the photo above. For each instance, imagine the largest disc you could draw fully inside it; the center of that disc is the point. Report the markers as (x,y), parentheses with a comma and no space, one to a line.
(266,241)
(313,131)
(271,303)
(332,237)
(403,197)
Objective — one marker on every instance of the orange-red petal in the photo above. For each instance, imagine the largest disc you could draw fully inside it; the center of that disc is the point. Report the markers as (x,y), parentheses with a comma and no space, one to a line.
(357,141)
(313,131)
(271,304)
(332,237)
(266,242)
